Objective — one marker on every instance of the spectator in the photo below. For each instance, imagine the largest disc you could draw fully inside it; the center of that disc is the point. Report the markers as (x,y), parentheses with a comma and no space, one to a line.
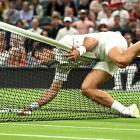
(56,24)
(130,70)
(135,13)
(44,33)
(47,27)
(2,8)
(104,16)
(37,8)
(67,30)
(4,54)
(130,27)
(10,14)
(117,25)
(35,26)
(10,56)
(26,14)
(17,51)
(17,57)
(83,4)
(20,24)
(129,4)
(114,4)
(102,28)
(65,4)
(128,38)
(77,2)
(94,8)
(69,12)
(103,13)
(137,35)
(31,61)
(18,5)
(51,7)
(84,25)
(6,3)
(124,15)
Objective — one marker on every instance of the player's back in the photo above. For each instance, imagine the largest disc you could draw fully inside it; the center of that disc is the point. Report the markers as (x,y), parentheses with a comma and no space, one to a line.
(76,40)
(106,40)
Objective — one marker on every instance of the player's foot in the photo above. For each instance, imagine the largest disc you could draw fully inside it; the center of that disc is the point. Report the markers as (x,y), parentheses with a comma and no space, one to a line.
(131,111)
(28,110)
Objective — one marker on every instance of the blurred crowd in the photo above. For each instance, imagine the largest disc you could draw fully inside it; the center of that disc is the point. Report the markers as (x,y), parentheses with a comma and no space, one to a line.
(56,18)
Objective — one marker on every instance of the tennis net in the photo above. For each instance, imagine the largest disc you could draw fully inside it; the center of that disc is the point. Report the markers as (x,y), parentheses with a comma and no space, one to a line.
(28,70)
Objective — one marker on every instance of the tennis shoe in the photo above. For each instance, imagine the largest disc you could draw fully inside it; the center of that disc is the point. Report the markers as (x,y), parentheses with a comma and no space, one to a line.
(131,111)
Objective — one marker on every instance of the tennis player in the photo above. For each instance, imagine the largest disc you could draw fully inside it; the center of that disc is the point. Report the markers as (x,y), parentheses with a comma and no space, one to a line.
(111,49)
(51,56)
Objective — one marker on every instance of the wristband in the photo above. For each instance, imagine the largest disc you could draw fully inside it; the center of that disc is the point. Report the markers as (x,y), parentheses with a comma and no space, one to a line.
(81,50)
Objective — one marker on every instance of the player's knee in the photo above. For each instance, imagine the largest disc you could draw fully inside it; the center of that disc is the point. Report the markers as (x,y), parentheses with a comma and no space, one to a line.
(91,92)
(86,89)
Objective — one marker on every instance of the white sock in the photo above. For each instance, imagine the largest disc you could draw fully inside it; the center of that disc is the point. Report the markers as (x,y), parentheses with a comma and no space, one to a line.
(34,106)
(118,106)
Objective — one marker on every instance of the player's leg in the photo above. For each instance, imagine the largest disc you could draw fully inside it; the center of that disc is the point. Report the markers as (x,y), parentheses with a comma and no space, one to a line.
(90,87)
(91,90)
(123,57)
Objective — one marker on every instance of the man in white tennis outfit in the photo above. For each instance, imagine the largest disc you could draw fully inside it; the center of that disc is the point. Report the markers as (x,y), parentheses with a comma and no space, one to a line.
(111,49)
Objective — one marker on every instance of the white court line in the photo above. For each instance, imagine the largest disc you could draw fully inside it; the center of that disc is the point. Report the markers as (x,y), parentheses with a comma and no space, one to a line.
(76,127)
(51,137)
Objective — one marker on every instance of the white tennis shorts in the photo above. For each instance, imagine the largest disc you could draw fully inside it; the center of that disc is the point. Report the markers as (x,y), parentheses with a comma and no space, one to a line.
(109,41)
(108,67)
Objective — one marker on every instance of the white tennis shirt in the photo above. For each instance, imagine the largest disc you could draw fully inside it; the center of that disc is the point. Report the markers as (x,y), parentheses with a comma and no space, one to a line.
(106,41)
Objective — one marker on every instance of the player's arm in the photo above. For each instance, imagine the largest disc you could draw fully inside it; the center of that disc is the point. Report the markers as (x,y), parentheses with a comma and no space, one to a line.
(50,94)
(45,98)
(88,44)
(60,76)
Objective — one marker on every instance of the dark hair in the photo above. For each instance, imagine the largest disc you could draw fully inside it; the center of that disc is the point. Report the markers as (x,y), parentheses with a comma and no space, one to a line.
(117,16)
(39,48)
(20,21)
(127,33)
(102,26)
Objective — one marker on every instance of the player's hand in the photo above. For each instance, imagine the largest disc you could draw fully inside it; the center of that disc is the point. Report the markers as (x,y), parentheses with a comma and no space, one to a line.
(73,55)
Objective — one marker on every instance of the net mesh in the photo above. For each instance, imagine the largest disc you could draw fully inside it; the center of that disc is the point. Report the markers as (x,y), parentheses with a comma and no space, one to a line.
(28,69)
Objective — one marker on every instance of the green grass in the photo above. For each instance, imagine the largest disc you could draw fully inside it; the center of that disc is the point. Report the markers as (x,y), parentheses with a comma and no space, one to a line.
(69,104)
(98,129)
